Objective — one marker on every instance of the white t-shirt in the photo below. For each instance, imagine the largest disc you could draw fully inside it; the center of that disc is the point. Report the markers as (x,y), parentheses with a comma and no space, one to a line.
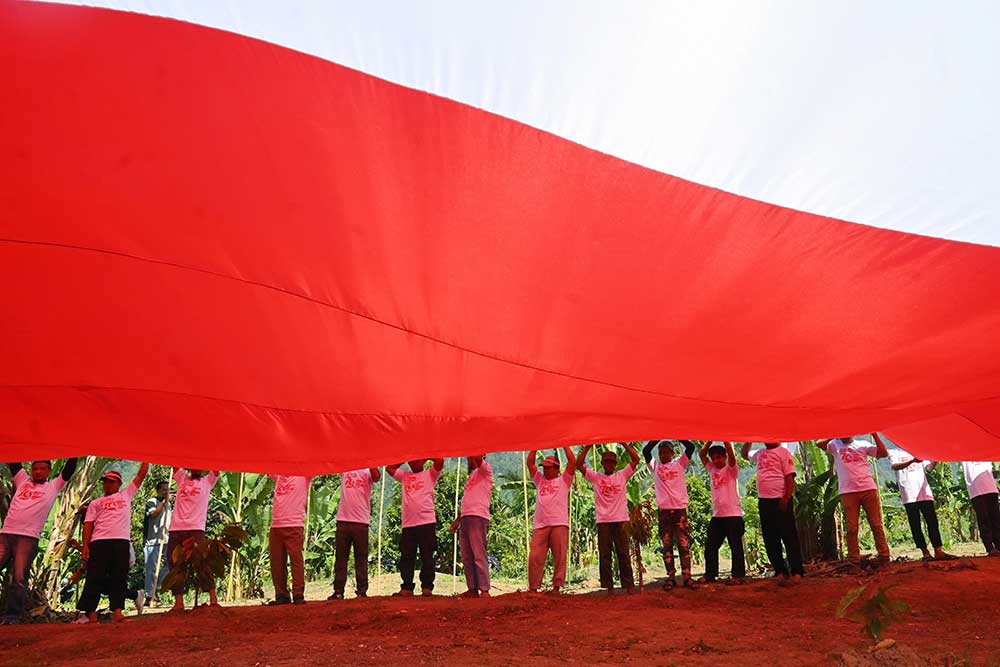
(610,496)
(478,489)
(670,483)
(725,493)
(112,515)
(291,492)
(772,467)
(418,495)
(355,496)
(31,504)
(912,479)
(853,472)
(979,478)
(552,499)
(191,505)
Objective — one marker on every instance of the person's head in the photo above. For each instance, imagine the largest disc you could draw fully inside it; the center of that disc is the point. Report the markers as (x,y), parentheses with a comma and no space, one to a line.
(475,461)
(550,467)
(609,461)
(111,481)
(666,451)
(771,445)
(847,439)
(162,490)
(196,474)
(717,453)
(40,471)
(417,465)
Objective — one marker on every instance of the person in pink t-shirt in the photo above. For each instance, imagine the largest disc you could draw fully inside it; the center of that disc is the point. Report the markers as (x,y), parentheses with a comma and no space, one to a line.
(670,485)
(611,513)
(194,488)
(419,523)
(287,536)
(474,519)
(726,524)
(353,519)
(551,527)
(775,491)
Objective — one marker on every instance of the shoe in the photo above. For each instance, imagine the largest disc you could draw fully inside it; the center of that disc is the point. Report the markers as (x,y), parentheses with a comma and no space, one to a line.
(299,600)
(941,555)
(670,584)
(735,581)
(689,583)
(426,592)
(337,596)
(140,601)
(277,602)
(484,594)
(469,594)
(707,580)
(361,595)
(994,552)
(83,620)
(403,593)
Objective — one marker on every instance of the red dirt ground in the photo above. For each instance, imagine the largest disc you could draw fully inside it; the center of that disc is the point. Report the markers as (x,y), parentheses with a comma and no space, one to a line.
(955,607)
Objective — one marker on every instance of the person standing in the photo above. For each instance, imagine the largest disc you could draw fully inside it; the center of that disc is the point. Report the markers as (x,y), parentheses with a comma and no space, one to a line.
(419,523)
(34,496)
(287,537)
(474,518)
(154,548)
(194,489)
(917,498)
(982,487)
(858,490)
(611,513)
(107,545)
(353,518)
(551,521)
(775,501)
(726,524)
(670,483)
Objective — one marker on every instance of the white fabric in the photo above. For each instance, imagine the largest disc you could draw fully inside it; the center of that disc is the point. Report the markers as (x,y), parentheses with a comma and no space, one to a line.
(773,465)
(552,499)
(418,495)
(979,478)
(853,471)
(31,504)
(670,482)
(355,496)
(756,98)
(912,480)
(291,493)
(725,492)
(610,493)
(191,503)
(112,515)
(478,490)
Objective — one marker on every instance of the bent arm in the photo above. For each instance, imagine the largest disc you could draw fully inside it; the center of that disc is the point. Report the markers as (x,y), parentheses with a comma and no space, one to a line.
(632,454)
(689,448)
(647,451)
(68,469)
(581,458)
(745,451)
(570,460)
(703,452)
(438,464)
(376,474)
(532,464)
(730,454)
(822,444)
(141,475)
(880,450)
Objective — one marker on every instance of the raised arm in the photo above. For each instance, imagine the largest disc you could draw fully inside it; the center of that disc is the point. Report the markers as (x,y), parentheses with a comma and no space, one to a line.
(880,449)
(904,464)
(822,444)
(581,458)
(532,463)
(730,454)
(931,465)
(632,454)
(689,448)
(438,464)
(14,468)
(141,475)
(745,451)
(570,461)
(392,468)
(68,469)
(376,474)
(647,451)
(703,453)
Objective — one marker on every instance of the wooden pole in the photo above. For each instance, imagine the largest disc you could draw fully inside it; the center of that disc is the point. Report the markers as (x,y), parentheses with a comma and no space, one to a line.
(524,488)
(231,586)
(454,538)
(378,550)
(163,536)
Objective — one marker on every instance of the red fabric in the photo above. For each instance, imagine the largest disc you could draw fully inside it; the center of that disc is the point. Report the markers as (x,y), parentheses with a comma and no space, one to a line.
(220,253)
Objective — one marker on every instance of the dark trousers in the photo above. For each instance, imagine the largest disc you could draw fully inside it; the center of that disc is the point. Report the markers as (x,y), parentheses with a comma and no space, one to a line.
(107,571)
(351,534)
(913,512)
(722,529)
(675,529)
(424,539)
(18,551)
(613,535)
(779,528)
(988,516)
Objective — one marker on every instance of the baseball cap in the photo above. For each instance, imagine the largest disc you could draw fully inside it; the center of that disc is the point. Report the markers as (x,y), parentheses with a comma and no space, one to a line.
(609,455)
(112,476)
(550,461)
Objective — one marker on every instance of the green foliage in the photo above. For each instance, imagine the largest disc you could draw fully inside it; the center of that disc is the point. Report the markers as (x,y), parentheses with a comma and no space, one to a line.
(201,563)
(871,607)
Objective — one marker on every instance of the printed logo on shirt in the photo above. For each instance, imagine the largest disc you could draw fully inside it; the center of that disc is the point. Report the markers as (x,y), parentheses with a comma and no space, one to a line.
(851,456)
(28,493)
(411,485)
(667,473)
(189,489)
(718,475)
(284,488)
(609,489)
(768,464)
(354,480)
(548,487)
(112,504)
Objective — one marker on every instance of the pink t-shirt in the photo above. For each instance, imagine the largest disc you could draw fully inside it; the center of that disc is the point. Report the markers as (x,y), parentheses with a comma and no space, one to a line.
(853,472)
(478,489)
(610,496)
(112,515)
(418,495)
(670,483)
(552,499)
(291,493)
(31,504)
(725,493)
(979,478)
(355,496)
(912,480)
(772,467)
(191,505)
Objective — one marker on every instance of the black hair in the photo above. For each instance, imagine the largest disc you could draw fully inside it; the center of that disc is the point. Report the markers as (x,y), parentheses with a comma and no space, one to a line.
(45,461)
(162,482)
(716,449)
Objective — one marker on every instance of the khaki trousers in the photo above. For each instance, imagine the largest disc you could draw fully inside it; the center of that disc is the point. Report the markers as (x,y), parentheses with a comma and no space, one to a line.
(853,503)
(544,540)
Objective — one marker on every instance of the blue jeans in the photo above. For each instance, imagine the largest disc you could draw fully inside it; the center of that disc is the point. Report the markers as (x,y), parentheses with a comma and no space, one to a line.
(150,552)
(18,551)
(472,534)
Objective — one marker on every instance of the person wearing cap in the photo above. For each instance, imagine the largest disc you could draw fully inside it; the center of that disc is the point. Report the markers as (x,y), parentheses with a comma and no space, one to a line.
(287,537)
(194,488)
(419,524)
(354,513)
(726,524)
(34,496)
(107,544)
(775,493)
(611,513)
(551,522)
(474,519)
(670,483)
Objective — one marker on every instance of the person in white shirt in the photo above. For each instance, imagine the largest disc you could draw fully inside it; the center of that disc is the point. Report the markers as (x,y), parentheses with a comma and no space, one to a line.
(915,493)
(33,498)
(474,519)
(194,489)
(982,487)
(670,483)
(551,521)
(287,536)
(107,545)
(611,513)
(156,562)
(775,490)
(858,490)
(726,524)
(353,518)
(419,523)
